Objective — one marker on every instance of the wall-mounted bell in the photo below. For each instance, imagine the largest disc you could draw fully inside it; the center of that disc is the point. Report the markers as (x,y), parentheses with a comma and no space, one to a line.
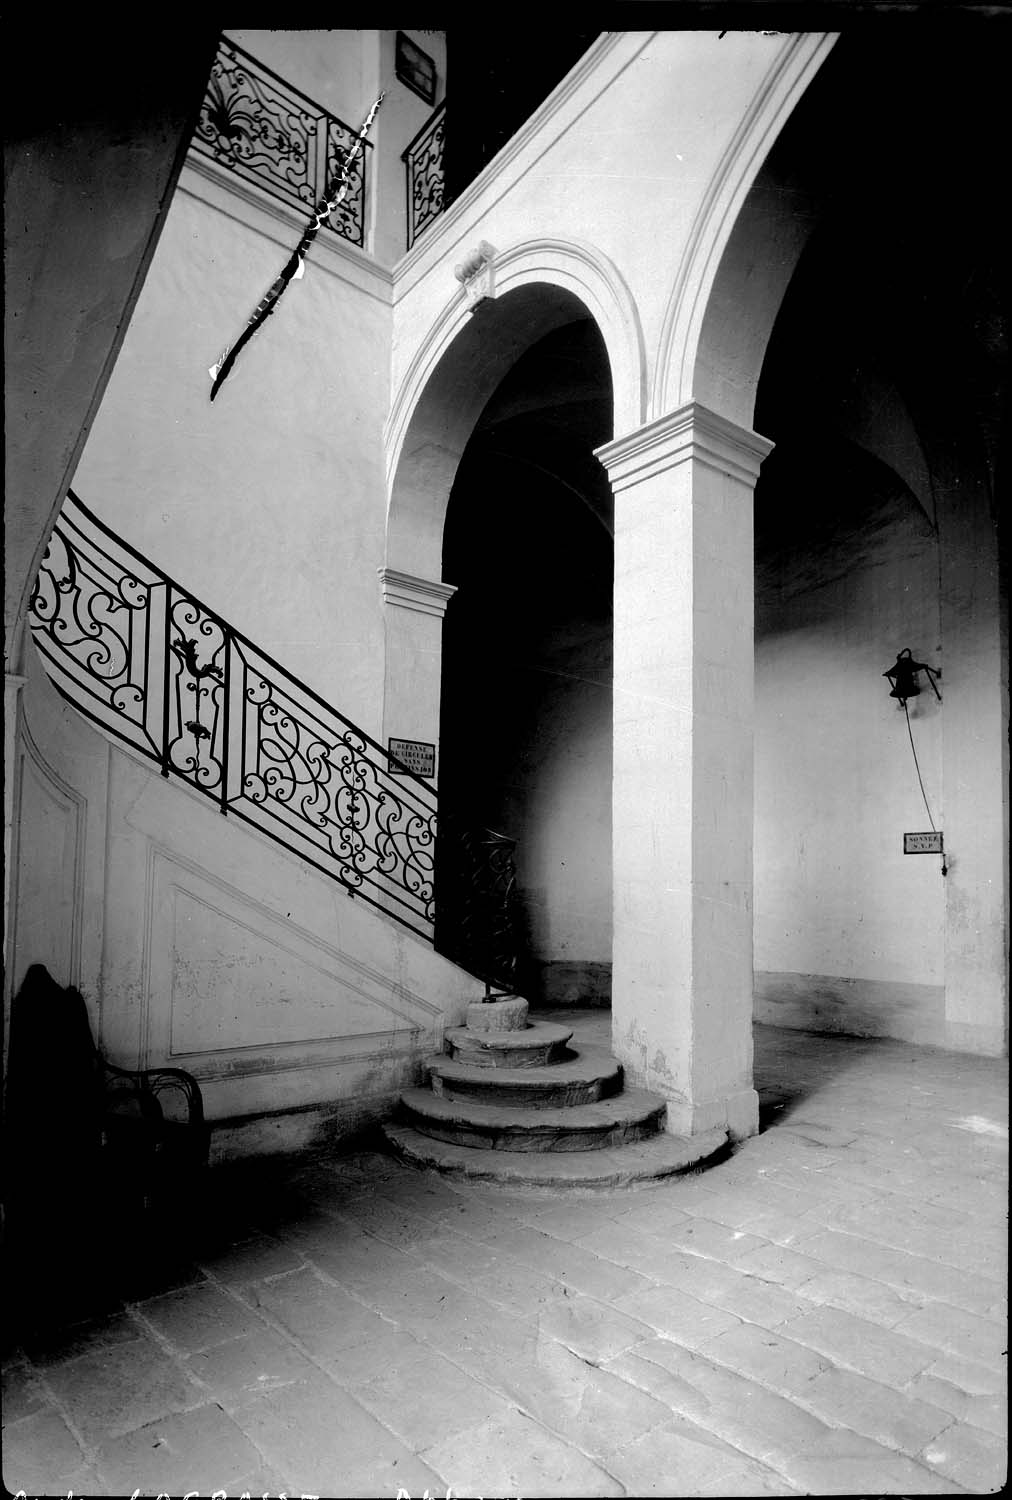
(903,676)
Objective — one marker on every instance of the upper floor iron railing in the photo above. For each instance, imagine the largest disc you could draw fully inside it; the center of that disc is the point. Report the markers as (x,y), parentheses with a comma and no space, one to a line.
(151,665)
(270,133)
(426,174)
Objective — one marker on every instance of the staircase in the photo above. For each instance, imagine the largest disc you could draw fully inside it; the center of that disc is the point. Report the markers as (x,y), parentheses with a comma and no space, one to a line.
(538,1105)
(522,1103)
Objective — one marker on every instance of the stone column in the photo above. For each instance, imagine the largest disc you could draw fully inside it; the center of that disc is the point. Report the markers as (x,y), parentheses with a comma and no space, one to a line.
(414,610)
(682,791)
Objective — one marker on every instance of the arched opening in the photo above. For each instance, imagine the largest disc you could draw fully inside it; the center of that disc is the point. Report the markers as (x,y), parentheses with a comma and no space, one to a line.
(540,285)
(525,724)
(506,408)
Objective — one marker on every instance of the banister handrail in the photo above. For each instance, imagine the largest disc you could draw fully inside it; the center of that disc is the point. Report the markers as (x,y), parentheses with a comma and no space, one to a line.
(150,664)
(125,546)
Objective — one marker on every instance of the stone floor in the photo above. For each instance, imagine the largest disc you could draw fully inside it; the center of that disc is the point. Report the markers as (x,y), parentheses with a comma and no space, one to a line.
(822,1313)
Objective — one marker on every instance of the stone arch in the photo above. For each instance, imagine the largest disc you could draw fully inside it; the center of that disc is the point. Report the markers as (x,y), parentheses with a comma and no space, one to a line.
(720,313)
(539,286)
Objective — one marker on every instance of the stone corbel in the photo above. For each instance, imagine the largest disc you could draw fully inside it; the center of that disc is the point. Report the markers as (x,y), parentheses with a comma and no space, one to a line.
(423,595)
(476,275)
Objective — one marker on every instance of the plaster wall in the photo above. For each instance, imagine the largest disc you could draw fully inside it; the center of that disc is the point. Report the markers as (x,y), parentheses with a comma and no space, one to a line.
(199,944)
(849,931)
(268,503)
(336,67)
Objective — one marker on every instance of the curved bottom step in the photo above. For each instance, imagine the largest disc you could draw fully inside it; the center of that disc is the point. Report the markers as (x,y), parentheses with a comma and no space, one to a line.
(641,1161)
(608,1123)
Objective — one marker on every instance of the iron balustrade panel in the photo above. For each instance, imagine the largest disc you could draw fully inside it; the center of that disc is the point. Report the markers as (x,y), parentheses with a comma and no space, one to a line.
(322,786)
(271,134)
(195,746)
(477,914)
(94,613)
(426,175)
(251,122)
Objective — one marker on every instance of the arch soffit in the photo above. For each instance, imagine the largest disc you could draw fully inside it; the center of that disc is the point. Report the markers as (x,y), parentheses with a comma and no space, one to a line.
(571,265)
(790,72)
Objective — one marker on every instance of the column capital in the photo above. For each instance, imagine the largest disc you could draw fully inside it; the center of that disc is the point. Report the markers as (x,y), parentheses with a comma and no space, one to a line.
(693,432)
(423,595)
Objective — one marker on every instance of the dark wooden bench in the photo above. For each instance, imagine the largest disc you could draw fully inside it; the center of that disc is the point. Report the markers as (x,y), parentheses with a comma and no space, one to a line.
(99,1160)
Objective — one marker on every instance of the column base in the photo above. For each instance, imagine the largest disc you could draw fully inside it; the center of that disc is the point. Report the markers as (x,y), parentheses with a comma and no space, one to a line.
(737,1113)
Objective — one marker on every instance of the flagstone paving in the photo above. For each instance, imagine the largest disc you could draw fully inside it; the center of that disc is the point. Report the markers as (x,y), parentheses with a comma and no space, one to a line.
(822,1313)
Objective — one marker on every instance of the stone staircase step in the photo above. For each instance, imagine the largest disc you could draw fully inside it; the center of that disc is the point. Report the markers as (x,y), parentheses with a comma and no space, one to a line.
(582,1079)
(629,1116)
(641,1161)
(537,1044)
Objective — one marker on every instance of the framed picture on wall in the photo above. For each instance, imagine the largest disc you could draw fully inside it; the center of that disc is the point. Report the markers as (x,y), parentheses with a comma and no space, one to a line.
(415,68)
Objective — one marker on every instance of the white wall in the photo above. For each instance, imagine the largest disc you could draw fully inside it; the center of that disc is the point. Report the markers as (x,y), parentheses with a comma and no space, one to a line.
(267,504)
(336,67)
(836,899)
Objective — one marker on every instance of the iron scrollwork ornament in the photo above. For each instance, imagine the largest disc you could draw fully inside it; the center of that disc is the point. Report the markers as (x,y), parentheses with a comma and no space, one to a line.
(270,134)
(156,669)
(426,174)
(197,641)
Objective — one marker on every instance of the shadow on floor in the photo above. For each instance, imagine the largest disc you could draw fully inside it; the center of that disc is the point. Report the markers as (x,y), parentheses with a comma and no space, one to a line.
(787,1068)
(93,1256)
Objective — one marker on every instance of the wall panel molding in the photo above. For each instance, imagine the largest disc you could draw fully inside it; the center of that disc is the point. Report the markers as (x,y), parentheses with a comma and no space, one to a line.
(274,982)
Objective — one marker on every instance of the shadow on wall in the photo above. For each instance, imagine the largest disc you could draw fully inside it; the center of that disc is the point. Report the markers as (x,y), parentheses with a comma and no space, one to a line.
(848,932)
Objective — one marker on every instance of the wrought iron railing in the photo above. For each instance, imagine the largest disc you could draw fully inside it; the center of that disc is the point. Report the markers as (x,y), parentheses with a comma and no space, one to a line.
(270,133)
(476,918)
(148,663)
(426,175)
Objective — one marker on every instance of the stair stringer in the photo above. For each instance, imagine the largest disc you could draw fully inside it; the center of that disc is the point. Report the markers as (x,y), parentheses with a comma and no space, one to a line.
(210,947)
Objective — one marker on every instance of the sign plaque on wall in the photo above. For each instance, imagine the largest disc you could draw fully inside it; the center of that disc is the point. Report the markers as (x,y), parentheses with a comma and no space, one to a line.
(922,843)
(415,754)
